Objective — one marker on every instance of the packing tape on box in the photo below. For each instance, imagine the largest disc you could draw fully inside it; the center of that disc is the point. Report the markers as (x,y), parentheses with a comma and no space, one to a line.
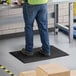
(6,70)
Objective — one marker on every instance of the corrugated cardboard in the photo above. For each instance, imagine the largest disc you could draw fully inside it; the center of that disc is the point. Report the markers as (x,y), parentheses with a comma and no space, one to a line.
(28,73)
(73,73)
(52,70)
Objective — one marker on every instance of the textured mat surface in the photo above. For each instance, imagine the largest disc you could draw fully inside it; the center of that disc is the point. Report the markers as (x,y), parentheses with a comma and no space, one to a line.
(55,53)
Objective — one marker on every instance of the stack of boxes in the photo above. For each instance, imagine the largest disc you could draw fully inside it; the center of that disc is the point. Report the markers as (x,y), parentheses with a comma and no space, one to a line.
(64,13)
(50,70)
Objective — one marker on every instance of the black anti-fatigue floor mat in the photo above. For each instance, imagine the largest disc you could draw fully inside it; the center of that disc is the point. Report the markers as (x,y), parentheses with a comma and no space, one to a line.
(55,53)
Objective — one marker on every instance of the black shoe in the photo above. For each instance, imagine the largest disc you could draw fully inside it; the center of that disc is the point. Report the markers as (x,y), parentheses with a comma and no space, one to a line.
(23,51)
(43,53)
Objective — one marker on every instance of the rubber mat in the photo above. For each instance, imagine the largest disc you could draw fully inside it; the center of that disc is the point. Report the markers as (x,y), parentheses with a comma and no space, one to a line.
(55,53)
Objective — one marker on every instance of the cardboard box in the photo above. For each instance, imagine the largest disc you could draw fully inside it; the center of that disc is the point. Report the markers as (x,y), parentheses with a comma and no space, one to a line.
(28,73)
(52,70)
(73,73)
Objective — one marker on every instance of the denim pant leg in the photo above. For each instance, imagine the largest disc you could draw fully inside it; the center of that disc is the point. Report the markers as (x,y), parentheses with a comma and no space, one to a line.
(43,27)
(29,15)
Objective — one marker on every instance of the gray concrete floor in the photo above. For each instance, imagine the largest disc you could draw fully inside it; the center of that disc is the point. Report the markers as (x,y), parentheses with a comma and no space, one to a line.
(60,41)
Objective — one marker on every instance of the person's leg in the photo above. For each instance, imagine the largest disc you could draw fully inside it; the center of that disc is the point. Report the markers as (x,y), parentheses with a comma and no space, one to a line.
(29,15)
(42,21)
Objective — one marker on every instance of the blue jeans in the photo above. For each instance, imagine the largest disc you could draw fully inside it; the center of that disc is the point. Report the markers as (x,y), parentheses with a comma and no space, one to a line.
(38,12)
